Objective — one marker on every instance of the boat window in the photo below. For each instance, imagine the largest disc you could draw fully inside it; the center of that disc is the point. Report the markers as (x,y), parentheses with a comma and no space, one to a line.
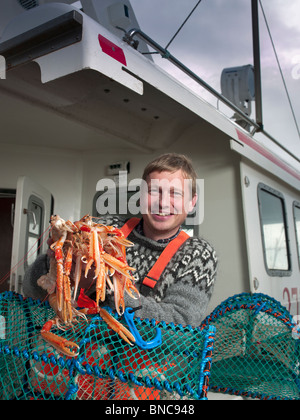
(274,231)
(35,213)
(297,226)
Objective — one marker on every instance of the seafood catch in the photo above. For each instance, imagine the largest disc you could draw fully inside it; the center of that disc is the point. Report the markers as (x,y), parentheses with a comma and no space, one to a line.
(85,248)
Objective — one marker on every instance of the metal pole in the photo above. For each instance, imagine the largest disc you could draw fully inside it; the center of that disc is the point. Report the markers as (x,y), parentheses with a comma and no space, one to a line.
(257,68)
(258,124)
(165,54)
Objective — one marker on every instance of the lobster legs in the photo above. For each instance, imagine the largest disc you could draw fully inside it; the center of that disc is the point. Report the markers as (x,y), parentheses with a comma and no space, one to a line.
(63,284)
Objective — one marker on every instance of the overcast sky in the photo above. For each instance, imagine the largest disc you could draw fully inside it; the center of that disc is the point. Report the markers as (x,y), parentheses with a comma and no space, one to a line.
(219,35)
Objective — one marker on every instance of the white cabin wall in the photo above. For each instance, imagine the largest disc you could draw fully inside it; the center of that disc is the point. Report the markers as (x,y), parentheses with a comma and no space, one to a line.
(95,169)
(59,171)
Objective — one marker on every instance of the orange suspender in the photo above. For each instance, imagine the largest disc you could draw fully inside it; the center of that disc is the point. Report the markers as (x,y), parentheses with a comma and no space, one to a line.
(172,247)
(128,227)
(154,274)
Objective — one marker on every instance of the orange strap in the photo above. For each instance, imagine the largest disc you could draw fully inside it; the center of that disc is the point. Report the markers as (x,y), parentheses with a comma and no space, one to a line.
(128,227)
(154,274)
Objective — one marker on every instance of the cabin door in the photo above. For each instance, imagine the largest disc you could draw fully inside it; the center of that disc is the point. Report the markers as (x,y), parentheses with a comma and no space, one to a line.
(7,206)
(33,210)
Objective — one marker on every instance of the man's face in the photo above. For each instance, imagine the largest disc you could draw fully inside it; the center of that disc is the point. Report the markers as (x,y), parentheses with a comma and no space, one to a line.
(166,203)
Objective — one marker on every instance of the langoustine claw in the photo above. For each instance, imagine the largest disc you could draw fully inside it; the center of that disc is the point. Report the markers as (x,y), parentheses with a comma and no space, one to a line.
(59,343)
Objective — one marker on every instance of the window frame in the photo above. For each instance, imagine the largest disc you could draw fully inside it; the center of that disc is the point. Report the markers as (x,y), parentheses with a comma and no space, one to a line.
(271,271)
(296,204)
(34,200)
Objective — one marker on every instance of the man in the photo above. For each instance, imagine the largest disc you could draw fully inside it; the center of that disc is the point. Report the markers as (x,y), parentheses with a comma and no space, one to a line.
(184,287)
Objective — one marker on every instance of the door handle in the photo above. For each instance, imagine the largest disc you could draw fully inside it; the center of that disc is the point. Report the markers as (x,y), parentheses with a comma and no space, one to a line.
(26,211)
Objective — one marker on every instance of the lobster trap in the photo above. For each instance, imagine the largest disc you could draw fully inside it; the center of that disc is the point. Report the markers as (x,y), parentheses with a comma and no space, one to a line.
(256,349)
(167,361)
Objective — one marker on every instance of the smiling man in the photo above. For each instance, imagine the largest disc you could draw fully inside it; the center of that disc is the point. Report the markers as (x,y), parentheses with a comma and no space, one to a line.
(170,195)
(184,267)
(175,273)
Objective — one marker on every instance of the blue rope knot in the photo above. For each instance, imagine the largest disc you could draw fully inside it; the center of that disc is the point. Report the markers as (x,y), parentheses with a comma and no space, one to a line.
(178,389)
(168,386)
(121,376)
(71,391)
(134,379)
(16,351)
(25,354)
(44,358)
(157,384)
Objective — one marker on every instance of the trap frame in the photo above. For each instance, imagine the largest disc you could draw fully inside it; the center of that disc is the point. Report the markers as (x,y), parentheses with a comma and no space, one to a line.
(256,348)
(176,367)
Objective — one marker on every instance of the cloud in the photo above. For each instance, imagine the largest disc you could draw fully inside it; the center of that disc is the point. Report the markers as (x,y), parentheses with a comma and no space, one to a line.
(219,35)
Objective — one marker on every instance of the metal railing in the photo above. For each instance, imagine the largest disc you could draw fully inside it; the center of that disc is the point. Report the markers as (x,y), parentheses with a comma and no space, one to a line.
(257,127)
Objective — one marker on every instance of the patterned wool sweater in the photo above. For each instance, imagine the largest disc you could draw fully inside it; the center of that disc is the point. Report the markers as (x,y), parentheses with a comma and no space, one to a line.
(183,291)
